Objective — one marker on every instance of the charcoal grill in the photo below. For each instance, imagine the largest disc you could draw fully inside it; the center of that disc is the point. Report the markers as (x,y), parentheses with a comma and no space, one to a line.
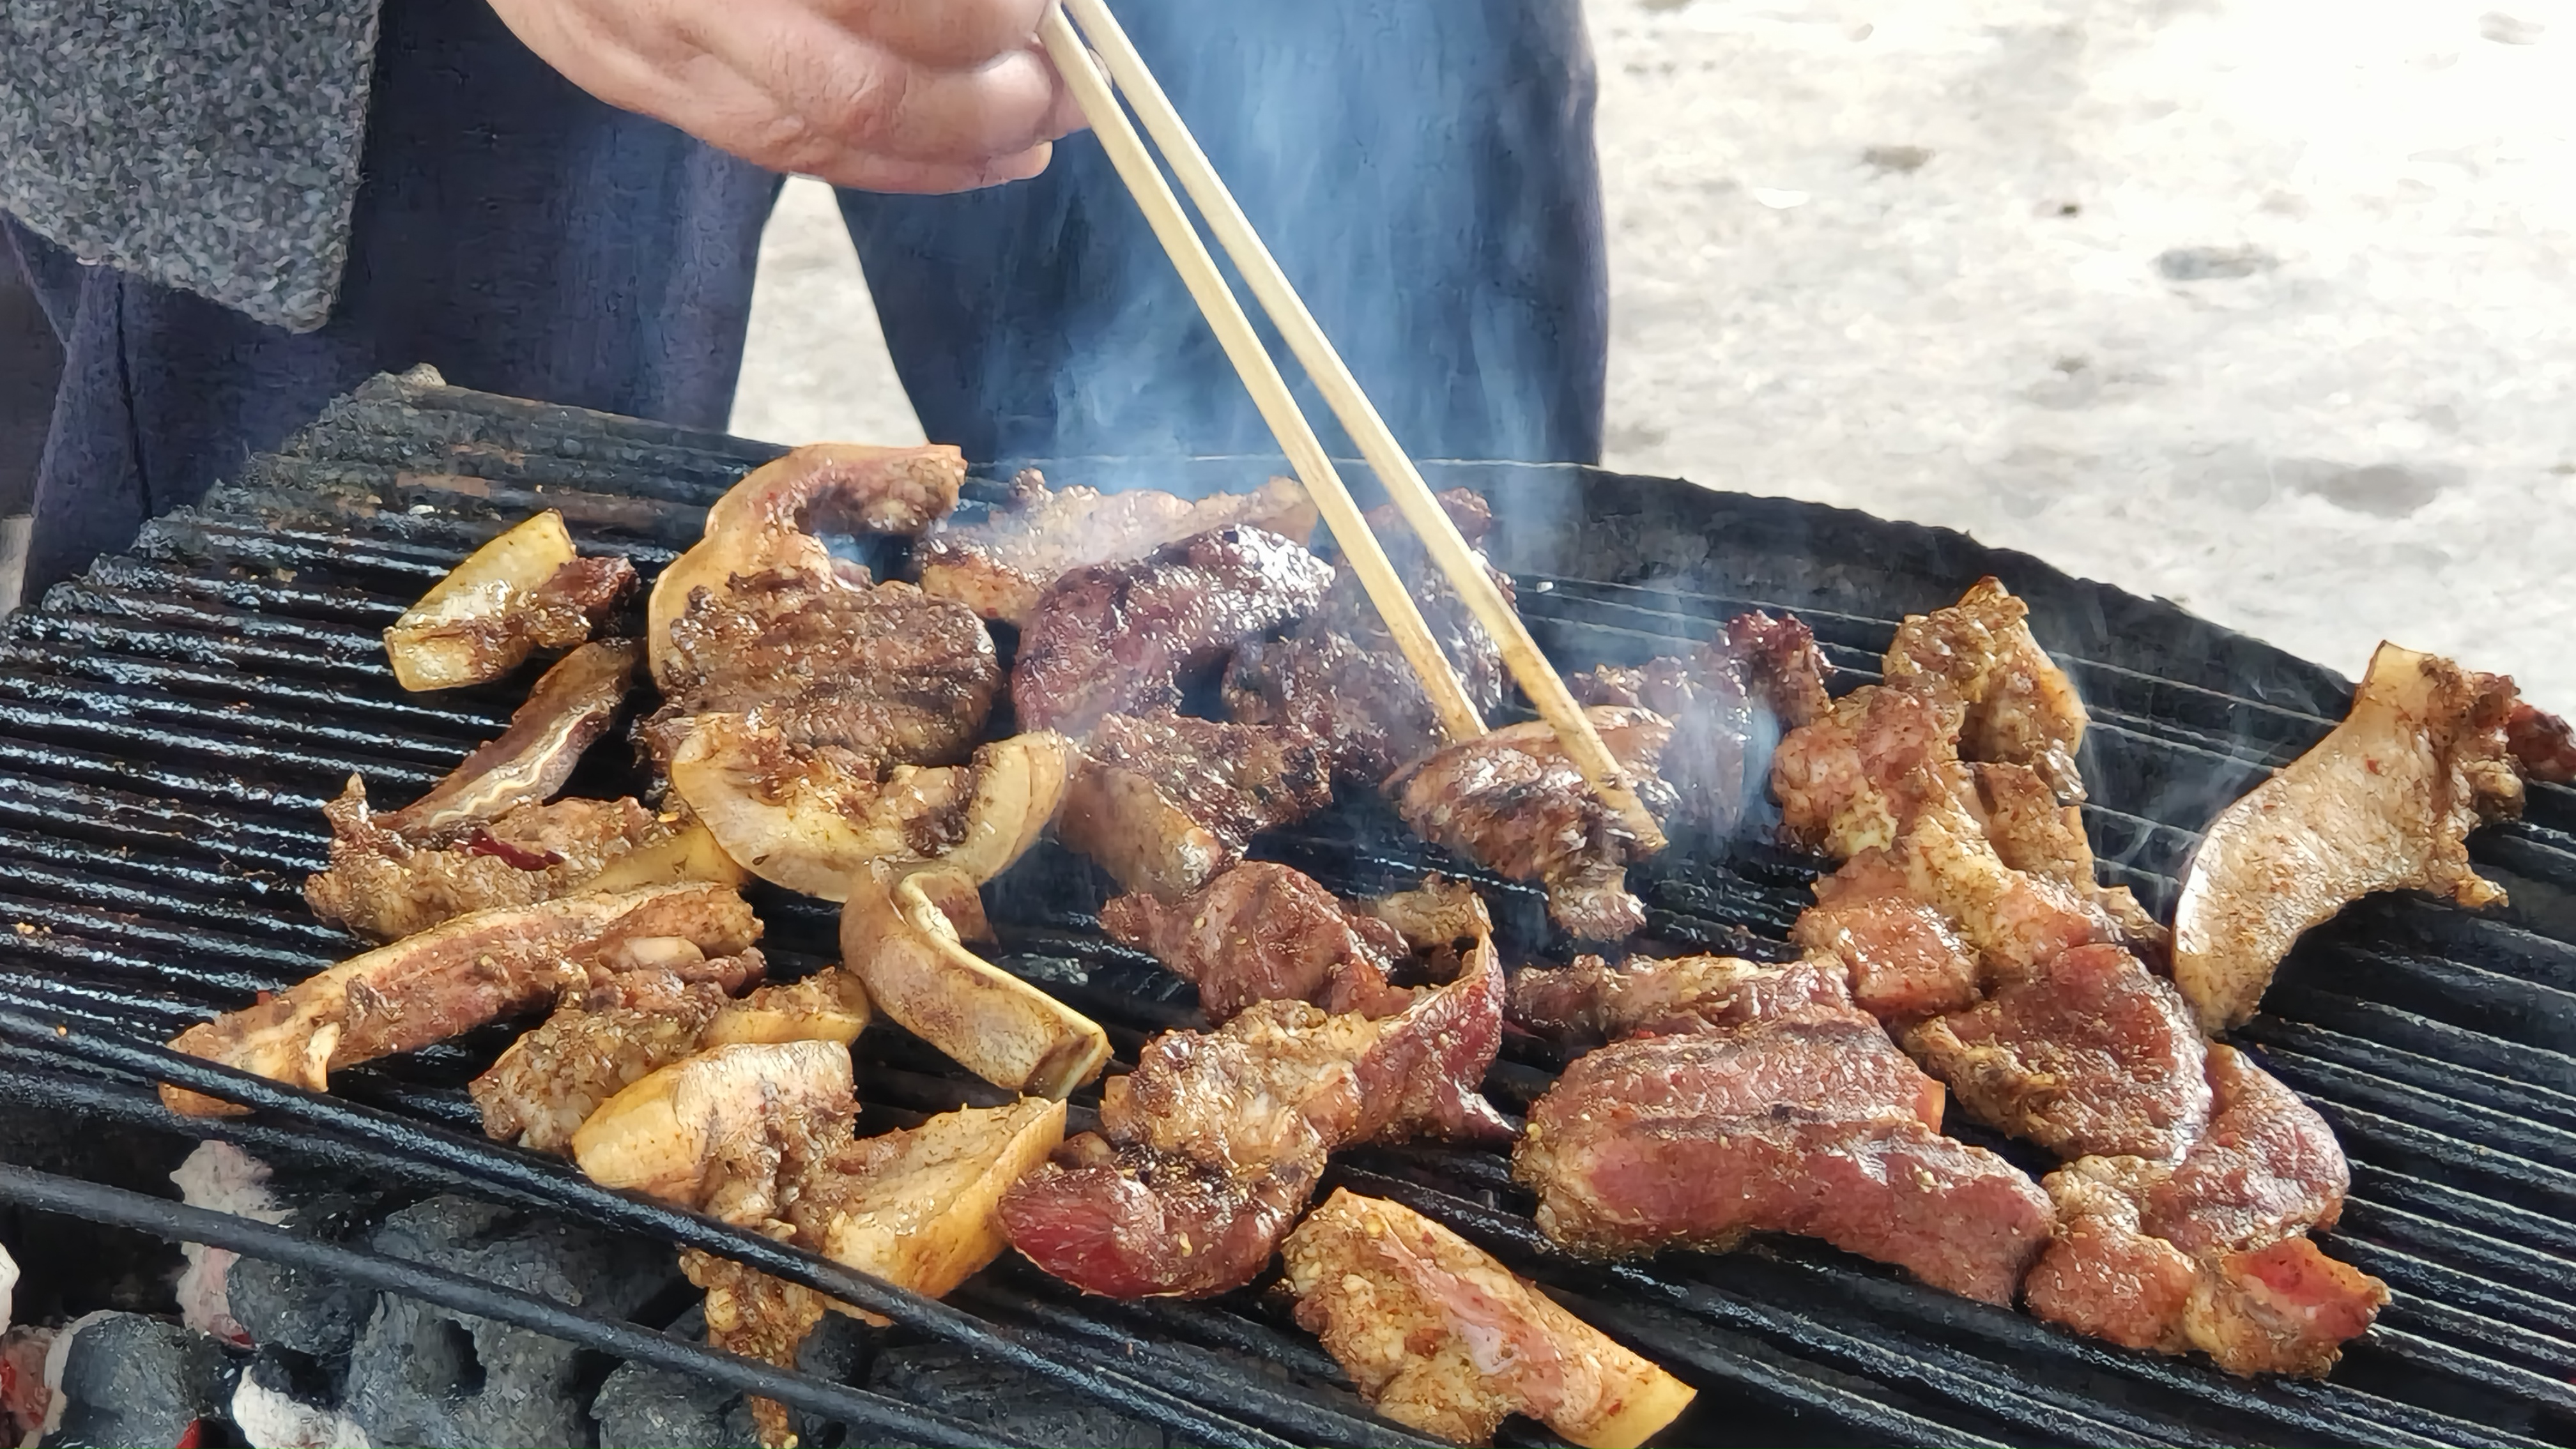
(171,724)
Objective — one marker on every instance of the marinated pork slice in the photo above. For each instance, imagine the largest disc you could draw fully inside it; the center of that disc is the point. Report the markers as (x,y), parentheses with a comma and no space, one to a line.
(1164,802)
(1511,801)
(529,760)
(1904,957)
(732,1131)
(2034,834)
(2384,802)
(1857,778)
(604,1038)
(1209,1149)
(385,889)
(1591,1002)
(1339,675)
(1979,653)
(470,970)
(1810,1122)
(1728,701)
(1443,1339)
(1001,566)
(1120,638)
(2212,1254)
(1263,932)
(2090,1055)
(525,590)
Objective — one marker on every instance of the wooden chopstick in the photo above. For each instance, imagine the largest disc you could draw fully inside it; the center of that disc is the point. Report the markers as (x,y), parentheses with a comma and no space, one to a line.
(1386,589)
(1377,443)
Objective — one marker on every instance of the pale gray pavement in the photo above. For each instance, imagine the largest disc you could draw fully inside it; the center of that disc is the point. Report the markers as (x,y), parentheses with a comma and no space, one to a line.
(2267,306)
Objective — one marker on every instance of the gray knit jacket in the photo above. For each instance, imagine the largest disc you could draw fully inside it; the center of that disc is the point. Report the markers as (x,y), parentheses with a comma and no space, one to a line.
(206,144)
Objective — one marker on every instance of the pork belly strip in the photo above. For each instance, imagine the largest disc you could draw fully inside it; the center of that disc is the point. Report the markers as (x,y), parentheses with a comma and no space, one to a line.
(1513,802)
(1340,676)
(531,758)
(1210,1148)
(1165,801)
(2212,1253)
(1263,932)
(1002,565)
(1118,638)
(1443,1339)
(468,971)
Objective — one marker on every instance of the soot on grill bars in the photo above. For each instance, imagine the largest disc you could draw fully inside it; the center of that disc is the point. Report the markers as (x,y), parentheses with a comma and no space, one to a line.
(526,926)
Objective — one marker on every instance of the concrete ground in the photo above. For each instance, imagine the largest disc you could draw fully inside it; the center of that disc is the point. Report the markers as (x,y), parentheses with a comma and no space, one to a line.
(2267,306)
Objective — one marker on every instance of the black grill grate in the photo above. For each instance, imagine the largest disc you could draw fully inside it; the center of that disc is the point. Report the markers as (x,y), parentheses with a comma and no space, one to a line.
(171,723)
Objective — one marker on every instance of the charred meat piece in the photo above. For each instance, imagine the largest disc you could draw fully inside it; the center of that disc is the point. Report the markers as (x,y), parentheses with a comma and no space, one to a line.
(1728,702)
(2384,802)
(1443,1339)
(1591,1002)
(2212,1254)
(524,591)
(1511,801)
(1263,932)
(828,661)
(1165,801)
(2090,1055)
(1339,675)
(1119,638)
(1001,566)
(1979,653)
(767,527)
(1904,957)
(604,1038)
(1856,778)
(1209,1149)
(384,888)
(471,970)
(1809,1121)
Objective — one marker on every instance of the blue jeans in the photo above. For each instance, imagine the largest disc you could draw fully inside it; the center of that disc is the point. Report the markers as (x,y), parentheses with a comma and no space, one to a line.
(1423,169)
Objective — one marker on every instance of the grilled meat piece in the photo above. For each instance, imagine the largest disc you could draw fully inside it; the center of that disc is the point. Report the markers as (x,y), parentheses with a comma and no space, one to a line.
(468,971)
(2542,743)
(2384,802)
(1263,932)
(2212,1253)
(730,1131)
(1339,675)
(1806,1120)
(1904,958)
(829,661)
(1001,566)
(1209,1149)
(1513,802)
(1443,1339)
(531,758)
(385,889)
(2021,709)
(1119,638)
(1856,778)
(762,1318)
(1166,801)
(602,1039)
(2032,833)
(523,591)
(1592,1002)
(2089,1055)
(1442,919)
(1728,702)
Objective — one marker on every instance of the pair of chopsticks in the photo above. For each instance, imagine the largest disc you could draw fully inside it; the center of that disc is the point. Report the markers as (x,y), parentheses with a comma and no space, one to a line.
(1412,496)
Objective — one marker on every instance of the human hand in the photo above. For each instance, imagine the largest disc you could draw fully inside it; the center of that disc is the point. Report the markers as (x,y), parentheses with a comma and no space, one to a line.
(881,95)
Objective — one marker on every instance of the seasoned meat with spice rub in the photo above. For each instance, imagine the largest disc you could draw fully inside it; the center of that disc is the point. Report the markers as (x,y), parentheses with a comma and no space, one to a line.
(1120,638)
(1339,675)
(1511,801)
(1000,566)
(1164,802)
(1209,1149)
(1728,702)
(1979,653)
(1592,1002)
(1263,932)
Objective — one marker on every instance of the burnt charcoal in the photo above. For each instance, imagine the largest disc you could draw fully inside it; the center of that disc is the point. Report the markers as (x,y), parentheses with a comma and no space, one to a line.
(128,1379)
(294,1308)
(1011,1403)
(422,1375)
(648,1408)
